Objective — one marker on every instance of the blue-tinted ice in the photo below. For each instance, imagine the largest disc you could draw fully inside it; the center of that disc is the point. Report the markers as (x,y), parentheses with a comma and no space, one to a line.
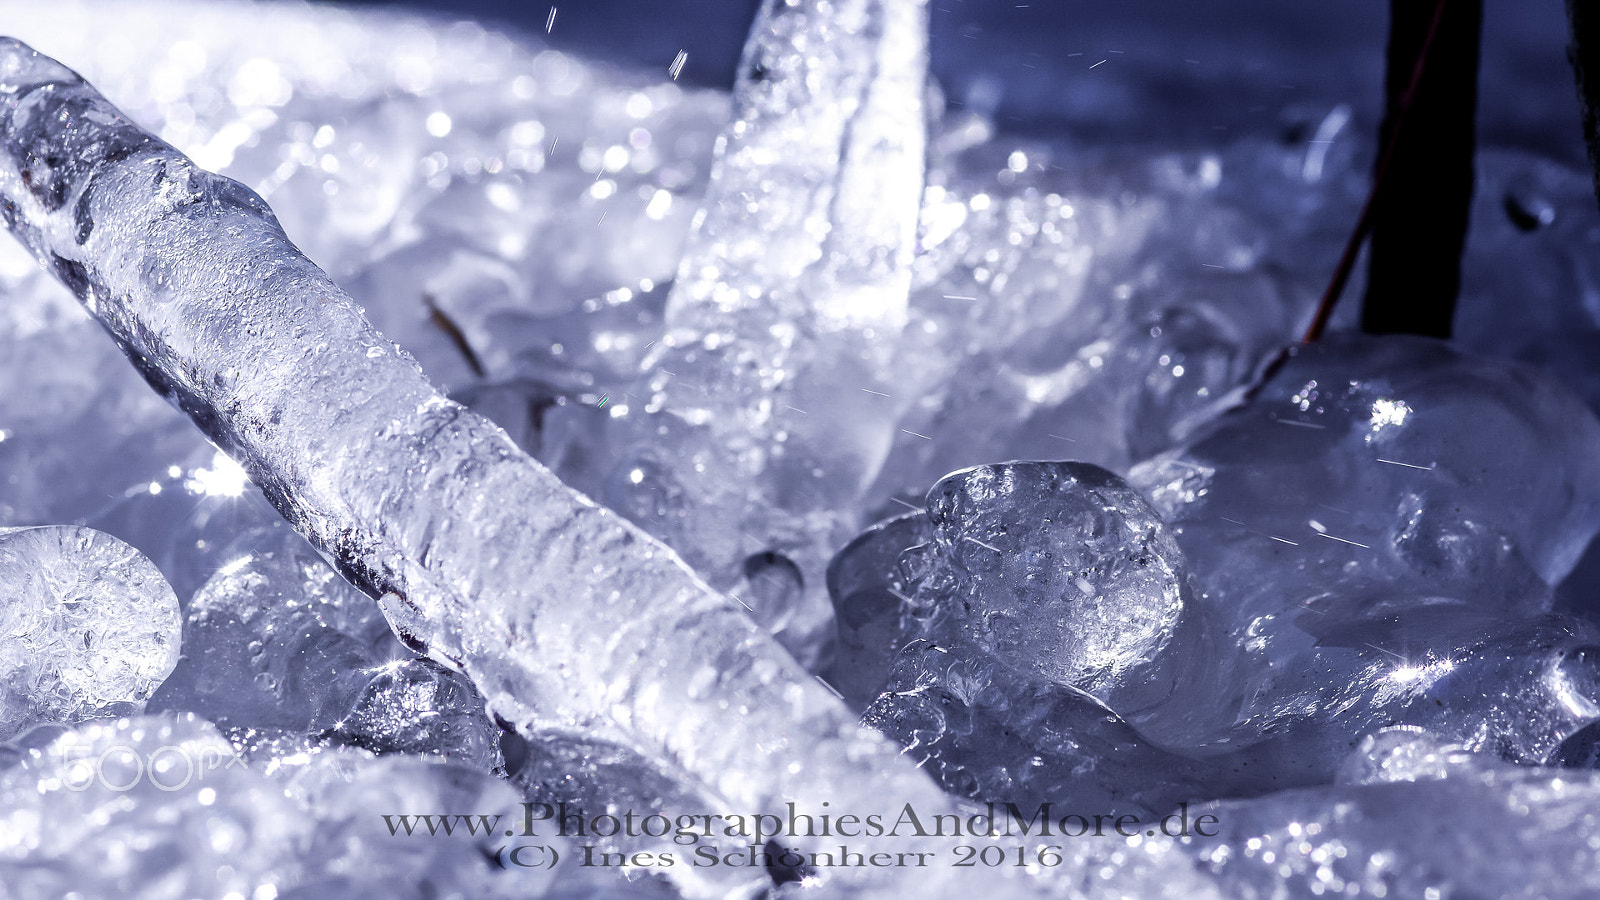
(520,221)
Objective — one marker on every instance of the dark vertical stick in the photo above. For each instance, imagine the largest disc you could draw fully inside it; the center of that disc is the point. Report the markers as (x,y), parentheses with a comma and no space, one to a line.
(1419,220)
(1358,235)
(1584,53)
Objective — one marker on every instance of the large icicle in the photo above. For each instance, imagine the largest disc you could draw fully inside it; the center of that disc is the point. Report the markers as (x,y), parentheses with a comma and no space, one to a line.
(560,611)
(792,293)
(811,214)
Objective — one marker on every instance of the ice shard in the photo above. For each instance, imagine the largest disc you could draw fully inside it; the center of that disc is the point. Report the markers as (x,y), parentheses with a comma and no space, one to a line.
(560,612)
(775,367)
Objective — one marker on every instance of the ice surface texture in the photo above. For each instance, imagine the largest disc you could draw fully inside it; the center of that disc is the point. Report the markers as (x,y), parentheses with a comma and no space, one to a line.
(1060,571)
(1034,621)
(1374,503)
(559,610)
(161,806)
(1413,816)
(91,628)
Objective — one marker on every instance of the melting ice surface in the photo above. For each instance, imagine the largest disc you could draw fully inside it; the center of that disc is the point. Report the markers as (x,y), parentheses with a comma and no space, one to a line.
(1383,538)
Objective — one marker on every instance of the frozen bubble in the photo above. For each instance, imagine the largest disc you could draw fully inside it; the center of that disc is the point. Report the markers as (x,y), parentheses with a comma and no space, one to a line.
(91,627)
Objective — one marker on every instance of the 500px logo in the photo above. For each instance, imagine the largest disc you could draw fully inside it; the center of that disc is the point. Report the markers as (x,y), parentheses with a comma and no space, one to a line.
(168,768)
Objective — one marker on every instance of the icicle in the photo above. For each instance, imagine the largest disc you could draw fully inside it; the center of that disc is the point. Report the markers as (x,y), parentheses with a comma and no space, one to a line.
(782,321)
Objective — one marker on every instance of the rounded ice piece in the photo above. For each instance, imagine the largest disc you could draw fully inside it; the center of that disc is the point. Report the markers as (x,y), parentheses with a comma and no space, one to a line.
(90,627)
(420,707)
(1374,469)
(1058,568)
(276,639)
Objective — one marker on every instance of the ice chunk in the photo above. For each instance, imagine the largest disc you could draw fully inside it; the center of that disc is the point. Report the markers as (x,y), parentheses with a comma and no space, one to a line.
(277,640)
(1368,518)
(1051,606)
(990,735)
(869,592)
(91,627)
(1071,302)
(1046,607)
(812,210)
(1058,571)
(1370,469)
(558,610)
(1062,570)
(422,708)
(1518,690)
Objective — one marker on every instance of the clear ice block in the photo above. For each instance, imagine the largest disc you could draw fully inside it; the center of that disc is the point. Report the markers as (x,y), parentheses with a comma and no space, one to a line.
(419,707)
(1369,516)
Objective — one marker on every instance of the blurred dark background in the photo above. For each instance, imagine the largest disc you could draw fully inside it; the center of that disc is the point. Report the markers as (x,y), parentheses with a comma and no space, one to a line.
(1173,71)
